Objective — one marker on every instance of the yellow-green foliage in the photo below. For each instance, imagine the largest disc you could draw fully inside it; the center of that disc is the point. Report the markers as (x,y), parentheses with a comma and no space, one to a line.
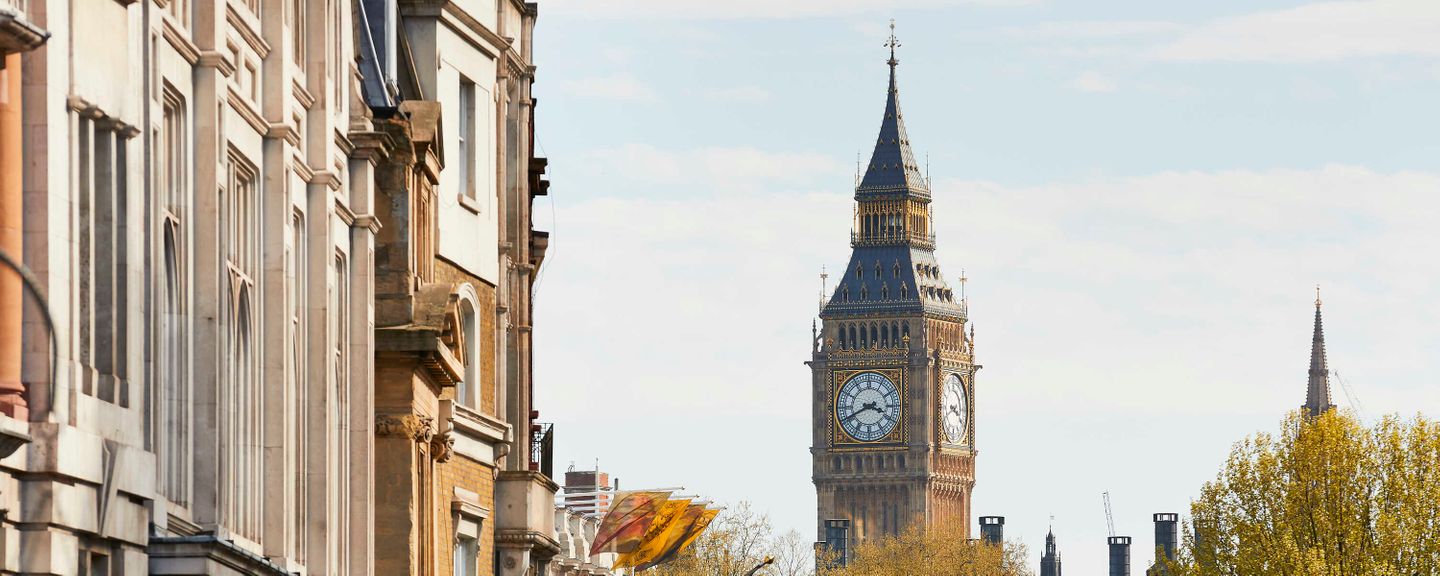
(1329,496)
(934,552)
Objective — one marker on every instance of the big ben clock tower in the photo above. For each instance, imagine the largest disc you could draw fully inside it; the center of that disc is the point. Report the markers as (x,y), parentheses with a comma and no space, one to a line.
(893,369)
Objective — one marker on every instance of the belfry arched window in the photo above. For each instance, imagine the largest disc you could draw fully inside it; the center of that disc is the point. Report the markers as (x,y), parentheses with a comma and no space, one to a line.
(843,341)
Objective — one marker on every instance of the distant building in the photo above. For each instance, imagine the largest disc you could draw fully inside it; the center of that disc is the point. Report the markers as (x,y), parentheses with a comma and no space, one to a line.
(1050,561)
(892,367)
(584,488)
(1317,392)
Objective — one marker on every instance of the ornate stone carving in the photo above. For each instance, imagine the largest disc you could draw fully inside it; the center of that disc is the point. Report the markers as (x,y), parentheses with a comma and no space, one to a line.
(417,428)
(442,445)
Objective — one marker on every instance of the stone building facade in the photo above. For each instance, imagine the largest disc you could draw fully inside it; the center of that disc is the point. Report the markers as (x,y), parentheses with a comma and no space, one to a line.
(893,367)
(289,281)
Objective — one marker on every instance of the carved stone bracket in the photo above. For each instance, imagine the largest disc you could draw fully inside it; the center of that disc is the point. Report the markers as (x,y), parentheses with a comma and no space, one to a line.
(442,445)
(416,428)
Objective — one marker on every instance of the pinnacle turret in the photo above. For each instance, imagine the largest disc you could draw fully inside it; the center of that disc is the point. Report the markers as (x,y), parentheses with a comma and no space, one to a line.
(1317,391)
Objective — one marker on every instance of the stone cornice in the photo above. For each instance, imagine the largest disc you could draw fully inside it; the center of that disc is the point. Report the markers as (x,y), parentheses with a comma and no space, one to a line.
(179,40)
(247,112)
(246,29)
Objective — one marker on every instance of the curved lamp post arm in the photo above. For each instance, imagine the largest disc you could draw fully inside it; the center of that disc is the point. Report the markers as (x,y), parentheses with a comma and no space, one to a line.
(32,284)
(766,562)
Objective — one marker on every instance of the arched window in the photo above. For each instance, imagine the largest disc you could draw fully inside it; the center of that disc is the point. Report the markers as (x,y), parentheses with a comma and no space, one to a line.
(843,341)
(864,342)
(904,291)
(467,389)
(884,338)
(175,403)
(896,269)
(874,337)
(844,293)
(905,330)
(877,268)
(884,291)
(864,293)
(859,271)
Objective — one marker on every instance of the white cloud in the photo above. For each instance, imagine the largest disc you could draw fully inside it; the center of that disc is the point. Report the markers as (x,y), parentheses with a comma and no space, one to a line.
(1322,31)
(716,169)
(746,9)
(1316,32)
(623,87)
(740,94)
(1091,81)
(1094,30)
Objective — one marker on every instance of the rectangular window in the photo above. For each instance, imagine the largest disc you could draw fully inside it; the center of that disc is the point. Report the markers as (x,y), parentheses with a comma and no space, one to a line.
(467,550)
(298,34)
(467,138)
(102,261)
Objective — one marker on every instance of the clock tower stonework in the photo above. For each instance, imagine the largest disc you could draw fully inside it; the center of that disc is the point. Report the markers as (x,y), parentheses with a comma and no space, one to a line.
(893,365)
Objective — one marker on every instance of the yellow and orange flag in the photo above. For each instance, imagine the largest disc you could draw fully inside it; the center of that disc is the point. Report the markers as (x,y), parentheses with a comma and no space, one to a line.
(686,535)
(650,544)
(627,521)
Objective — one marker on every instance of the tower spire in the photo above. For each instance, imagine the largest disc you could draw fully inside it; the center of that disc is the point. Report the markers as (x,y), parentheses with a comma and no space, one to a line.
(1317,391)
(892,166)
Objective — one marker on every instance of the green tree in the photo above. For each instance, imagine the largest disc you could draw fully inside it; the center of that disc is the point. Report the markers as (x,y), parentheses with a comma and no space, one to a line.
(1328,496)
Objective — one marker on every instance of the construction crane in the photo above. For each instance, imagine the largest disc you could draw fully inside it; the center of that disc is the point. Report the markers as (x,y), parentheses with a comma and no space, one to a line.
(1109,518)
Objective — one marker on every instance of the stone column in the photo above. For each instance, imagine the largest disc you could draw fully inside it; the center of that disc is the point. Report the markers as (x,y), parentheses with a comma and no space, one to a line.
(12,390)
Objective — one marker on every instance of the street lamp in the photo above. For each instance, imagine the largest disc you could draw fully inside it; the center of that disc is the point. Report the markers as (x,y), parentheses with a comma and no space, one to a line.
(763,563)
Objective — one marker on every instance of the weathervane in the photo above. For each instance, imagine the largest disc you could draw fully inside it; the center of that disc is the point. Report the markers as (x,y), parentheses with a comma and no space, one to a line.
(892,44)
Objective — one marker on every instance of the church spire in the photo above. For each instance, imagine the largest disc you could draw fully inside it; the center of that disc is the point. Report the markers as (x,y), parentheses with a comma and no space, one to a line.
(1317,392)
(892,166)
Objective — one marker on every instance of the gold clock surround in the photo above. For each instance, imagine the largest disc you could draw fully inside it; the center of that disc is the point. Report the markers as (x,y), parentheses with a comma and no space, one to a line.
(841,440)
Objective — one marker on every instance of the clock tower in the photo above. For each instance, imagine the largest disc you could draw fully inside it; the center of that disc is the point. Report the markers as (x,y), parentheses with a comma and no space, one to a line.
(893,367)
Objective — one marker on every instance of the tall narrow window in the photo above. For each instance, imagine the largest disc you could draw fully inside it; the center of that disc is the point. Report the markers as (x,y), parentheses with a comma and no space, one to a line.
(299,388)
(241,442)
(467,138)
(298,33)
(173,405)
(339,404)
(467,389)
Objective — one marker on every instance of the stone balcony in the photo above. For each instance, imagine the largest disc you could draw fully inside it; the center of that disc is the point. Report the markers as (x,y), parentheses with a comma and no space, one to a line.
(524,521)
(17,33)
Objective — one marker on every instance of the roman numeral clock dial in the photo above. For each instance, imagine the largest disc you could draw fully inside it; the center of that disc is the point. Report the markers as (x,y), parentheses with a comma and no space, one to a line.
(868,406)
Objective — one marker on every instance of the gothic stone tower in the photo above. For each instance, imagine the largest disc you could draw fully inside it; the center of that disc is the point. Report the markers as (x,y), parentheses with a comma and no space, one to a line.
(893,369)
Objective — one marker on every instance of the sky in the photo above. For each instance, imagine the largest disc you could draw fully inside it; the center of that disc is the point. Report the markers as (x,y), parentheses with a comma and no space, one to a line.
(1143,196)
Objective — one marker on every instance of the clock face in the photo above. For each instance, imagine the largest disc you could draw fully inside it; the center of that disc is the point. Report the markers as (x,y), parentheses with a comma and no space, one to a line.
(868,406)
(953,409)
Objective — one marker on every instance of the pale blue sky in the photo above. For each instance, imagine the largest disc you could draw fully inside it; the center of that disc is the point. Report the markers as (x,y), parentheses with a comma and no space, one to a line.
(1143,195)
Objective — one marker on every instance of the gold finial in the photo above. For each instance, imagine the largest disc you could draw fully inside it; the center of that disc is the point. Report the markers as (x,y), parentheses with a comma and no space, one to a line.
(892,44)
(1317,296)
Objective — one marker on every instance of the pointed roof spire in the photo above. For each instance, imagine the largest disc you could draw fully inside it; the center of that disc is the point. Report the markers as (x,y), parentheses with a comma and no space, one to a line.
(892,165)
(1317,391)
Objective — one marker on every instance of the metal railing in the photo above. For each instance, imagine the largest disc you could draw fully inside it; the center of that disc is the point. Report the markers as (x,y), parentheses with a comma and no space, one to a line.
(542,448)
